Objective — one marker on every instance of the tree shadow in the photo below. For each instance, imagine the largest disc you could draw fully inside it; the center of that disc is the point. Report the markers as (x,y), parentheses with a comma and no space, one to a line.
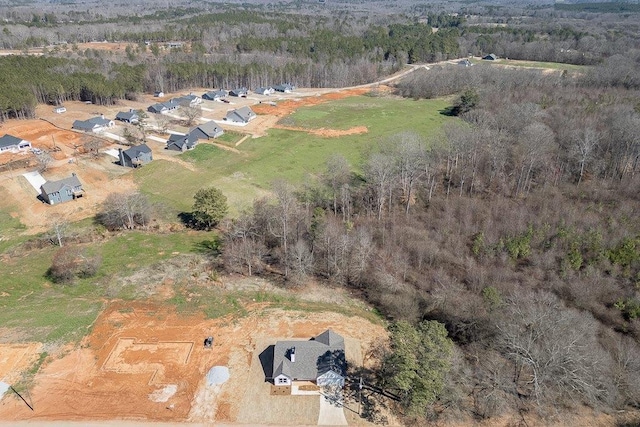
(187,219)
(208,247)
(451,111)
(266,360)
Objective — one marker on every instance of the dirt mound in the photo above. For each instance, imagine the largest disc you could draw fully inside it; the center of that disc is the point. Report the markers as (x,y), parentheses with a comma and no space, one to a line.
(284,108)
(328,133)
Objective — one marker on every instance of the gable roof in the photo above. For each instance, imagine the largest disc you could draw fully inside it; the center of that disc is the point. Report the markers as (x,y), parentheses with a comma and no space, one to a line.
(127,115)
(216,93)
(51,187)
(84,125)
(9,141)
(136,150)
(210,129)
(313,358)
(243,114)
(180,141)
(284,87)
(100,121)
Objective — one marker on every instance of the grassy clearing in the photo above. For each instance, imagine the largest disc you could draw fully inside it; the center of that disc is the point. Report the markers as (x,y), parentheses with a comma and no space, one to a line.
(216,303)
(42,311)
(10,226)
(289,155)
(229,138)
(536,64)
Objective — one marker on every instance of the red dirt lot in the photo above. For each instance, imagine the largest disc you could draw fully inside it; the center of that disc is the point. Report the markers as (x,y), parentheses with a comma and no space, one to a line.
(284,108)
(139,353)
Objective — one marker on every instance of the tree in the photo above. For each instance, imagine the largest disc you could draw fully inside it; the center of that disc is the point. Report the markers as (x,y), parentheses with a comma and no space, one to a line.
(125,211)
(418,363)
(192,113)
(283,216)
(555,350)
(337,175)
(209,207)
(92,146)
(70,262)
(44,160)
(584,145)
(59,230)
(467,101)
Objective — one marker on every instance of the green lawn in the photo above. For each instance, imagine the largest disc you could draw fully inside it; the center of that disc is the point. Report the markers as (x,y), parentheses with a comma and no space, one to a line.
(43,311)
(536,64)
(10,227)
(289,155)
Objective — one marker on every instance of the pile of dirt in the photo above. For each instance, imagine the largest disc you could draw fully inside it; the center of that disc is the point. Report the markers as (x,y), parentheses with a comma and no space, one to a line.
(328,133)
(284,108)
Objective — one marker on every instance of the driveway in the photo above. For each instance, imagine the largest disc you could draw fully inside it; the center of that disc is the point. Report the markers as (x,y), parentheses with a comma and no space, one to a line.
(35,179)
(331,413)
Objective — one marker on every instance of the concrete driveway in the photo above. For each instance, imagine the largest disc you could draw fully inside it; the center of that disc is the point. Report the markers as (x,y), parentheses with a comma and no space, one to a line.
(331,413)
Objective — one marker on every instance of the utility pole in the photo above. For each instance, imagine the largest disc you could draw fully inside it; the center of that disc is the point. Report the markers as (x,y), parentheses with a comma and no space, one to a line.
(360,398)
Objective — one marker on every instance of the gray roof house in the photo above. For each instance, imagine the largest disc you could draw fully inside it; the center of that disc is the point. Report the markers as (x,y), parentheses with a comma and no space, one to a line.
(465,63)
(490,57)
(190,100)
(208,130)
(135,156)
(158,108)
(285,87)
(213,95)
(130,116)
(241,115)
(182,142)
(320,359)
(158,94)
(12,143)
(241,91)
(163,107)
(264,90)
(64,190)
(94,124)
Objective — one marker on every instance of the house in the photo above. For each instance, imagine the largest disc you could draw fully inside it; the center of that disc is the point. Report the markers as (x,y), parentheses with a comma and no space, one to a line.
(240,92)
(95,124)
(158,94)
(214,95)
(320,359)
(182,142)
(285,88)
(190,100)
(264,90)
(64,190)
(13,144)
(490,57)
(163,107)
(60,109)
(241,115)
(130,116)
(158,108)
(465,63)
(135,156)
(208,130)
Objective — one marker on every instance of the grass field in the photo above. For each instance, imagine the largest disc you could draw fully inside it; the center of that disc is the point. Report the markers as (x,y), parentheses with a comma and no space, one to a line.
(537,64)
(34,309)
(46,312)
(289,155)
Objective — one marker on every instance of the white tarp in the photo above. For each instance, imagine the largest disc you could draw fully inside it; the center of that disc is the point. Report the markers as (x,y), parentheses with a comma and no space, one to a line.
(3,388)
(217,375)
(35,179)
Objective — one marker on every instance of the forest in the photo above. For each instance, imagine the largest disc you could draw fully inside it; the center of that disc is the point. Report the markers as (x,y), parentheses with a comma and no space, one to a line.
(517,230)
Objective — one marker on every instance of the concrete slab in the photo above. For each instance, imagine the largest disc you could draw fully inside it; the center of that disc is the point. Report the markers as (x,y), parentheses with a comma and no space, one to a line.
(331,413)
(35,179)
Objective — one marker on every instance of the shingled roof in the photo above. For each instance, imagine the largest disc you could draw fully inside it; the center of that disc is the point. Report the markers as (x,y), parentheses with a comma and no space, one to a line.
(312,359)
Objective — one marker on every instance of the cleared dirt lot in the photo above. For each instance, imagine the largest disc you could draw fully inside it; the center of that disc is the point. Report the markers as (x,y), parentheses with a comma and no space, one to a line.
(136,350)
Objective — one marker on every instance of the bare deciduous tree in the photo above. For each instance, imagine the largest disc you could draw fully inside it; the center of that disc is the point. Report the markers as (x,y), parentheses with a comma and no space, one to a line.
(125,210)
(191,114)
